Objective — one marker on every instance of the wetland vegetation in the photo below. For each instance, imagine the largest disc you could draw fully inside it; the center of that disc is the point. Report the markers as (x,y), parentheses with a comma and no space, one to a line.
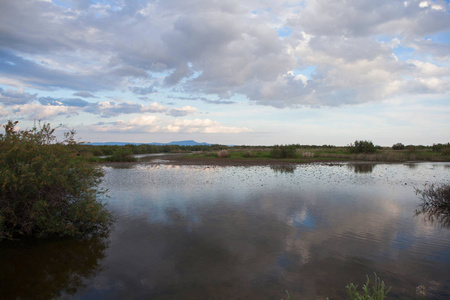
(435,203)
(47,188)
(267,222)
(296,153)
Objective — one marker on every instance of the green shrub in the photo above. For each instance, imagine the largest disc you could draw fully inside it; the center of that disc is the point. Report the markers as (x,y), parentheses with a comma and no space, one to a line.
(121,154)
(287,151)
(362,147)
(47,188)
(398,146)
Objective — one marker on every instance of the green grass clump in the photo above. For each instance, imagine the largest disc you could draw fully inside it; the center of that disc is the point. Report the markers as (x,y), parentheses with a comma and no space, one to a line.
(377,291)
(287,151)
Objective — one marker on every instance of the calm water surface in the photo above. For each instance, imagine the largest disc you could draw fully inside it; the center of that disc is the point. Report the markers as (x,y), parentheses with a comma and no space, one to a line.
(199,232)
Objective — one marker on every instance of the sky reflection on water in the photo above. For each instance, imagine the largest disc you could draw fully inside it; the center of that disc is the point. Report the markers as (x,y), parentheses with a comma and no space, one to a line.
(204,232)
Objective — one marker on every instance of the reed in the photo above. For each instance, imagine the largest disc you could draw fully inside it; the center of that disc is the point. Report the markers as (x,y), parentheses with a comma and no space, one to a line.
(223,153)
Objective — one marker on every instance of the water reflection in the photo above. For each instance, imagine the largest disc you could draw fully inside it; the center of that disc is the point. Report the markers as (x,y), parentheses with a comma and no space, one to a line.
(434,206)
(362,167)
(283,168)
(202,232)
(412,166)
(247,233)
(432,215)
(48,269)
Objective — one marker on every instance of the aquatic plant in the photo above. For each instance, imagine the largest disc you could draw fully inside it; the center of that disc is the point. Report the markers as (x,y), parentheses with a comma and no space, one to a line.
(378,290)
(288,295)
(47,187)
(435,202)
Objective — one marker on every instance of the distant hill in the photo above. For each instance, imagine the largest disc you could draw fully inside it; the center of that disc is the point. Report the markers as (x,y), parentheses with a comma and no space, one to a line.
(179,143)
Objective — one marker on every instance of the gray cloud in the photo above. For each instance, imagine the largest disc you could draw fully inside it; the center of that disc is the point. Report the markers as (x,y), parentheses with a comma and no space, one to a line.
(366,18)
(204,99)
(41,76)
(111,109)
(76,102)
(14,97)
(31,106)
(84,94)
(181,112)
(143,90)
(223,48)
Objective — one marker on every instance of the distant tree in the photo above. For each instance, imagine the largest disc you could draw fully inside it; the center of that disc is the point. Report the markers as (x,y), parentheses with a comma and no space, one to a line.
(47,188)
(362,147)
(398,146)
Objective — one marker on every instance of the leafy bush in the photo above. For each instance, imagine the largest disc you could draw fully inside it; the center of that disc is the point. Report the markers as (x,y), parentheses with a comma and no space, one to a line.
(398,146)
(362,147)
(287,151)
(47,188)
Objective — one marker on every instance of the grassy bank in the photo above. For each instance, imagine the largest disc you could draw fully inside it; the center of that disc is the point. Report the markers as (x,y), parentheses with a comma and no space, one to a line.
(220,154)
(326,154)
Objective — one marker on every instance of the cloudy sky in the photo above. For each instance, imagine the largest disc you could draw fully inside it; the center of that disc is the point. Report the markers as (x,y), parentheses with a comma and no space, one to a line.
(254,72)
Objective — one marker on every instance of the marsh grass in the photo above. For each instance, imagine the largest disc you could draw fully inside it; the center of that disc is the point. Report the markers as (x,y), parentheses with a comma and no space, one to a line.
(223,154)
(377,291)
(307,154)
(317,153)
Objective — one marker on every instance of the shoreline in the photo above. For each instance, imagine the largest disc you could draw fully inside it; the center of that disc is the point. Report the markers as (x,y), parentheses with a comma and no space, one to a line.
(183,160)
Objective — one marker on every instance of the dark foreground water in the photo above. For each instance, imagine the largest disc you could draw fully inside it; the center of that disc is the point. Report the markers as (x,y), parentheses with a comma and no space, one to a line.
(196,232)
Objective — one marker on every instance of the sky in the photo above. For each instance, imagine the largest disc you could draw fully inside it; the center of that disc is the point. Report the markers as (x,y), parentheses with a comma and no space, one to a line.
(254,72)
